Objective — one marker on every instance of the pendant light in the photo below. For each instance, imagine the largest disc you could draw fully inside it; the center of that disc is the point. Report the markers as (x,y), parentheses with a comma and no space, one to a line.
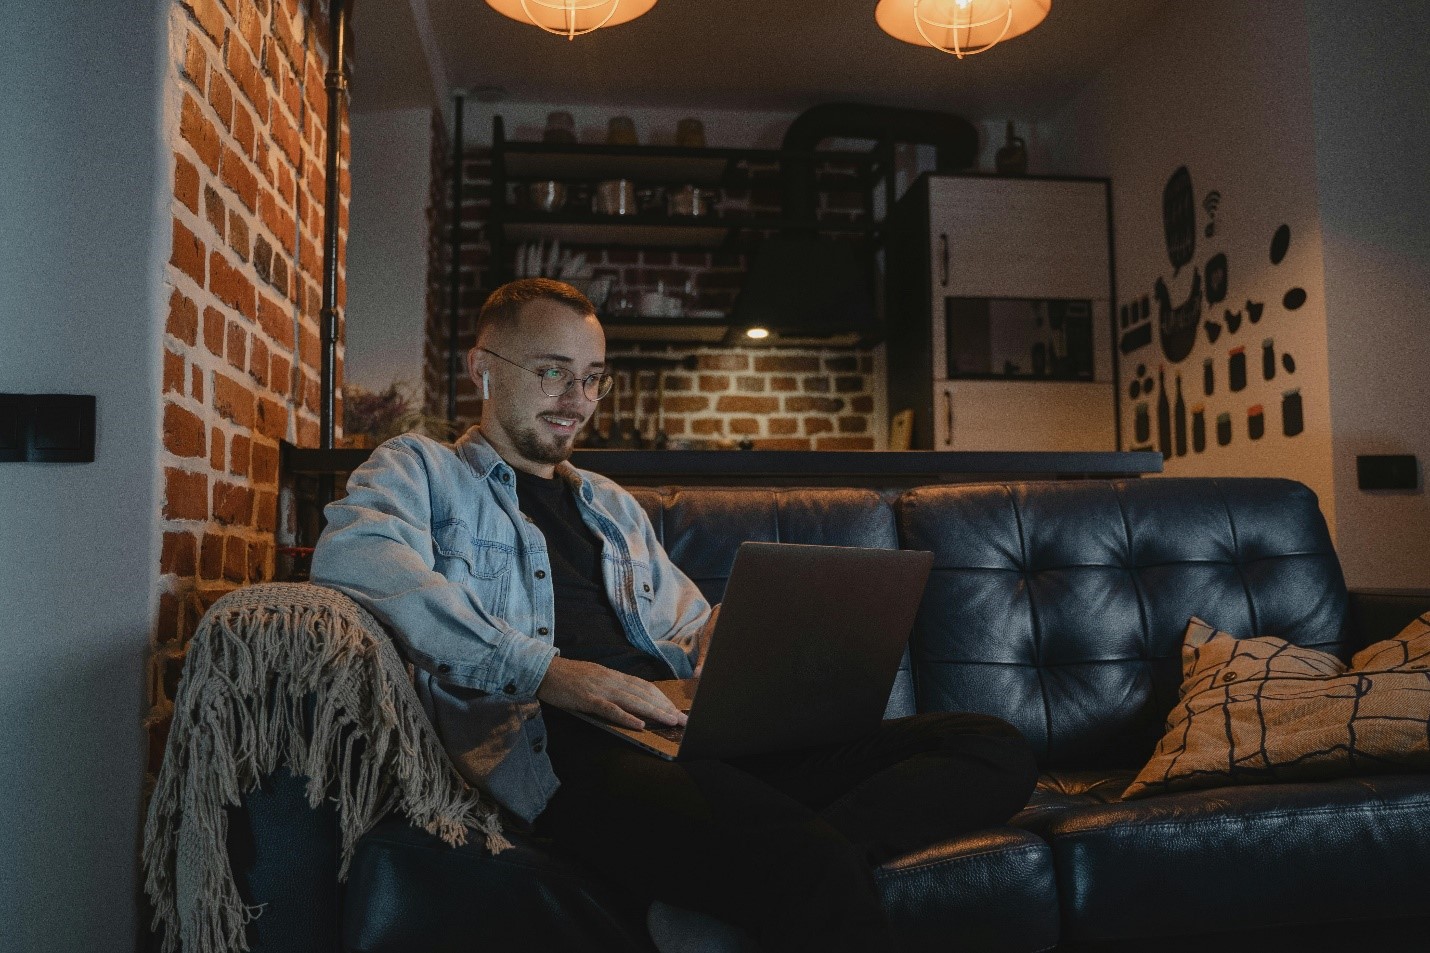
(572,18)
(960,27)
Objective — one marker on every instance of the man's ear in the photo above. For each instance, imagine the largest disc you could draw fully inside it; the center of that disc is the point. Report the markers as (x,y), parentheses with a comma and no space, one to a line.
(477,368)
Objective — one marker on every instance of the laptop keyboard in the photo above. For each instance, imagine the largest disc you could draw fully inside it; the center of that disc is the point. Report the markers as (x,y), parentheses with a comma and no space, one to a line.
(668,732)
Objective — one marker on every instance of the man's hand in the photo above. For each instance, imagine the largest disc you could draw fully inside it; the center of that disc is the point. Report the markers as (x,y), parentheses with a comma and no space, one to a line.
(615,696)
(702,641)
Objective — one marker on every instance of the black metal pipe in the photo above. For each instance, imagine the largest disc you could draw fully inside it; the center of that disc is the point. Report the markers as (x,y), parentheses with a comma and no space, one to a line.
(337,87)
(454,294)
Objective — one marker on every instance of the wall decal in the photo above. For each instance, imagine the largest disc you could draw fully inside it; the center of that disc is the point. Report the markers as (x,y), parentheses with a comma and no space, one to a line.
(1179,421)
(1236,369)
(1210,203)
(1255,422)
(1177,326)
(1223,429)
(1196,322)
(1164,415)
(1280,242)
(1292,419)
(1179,219)
(1216,279)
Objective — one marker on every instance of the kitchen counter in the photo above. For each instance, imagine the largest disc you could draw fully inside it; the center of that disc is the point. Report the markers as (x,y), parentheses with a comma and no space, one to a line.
(807,467)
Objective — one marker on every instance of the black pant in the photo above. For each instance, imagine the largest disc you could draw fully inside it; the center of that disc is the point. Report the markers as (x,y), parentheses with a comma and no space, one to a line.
(782,845)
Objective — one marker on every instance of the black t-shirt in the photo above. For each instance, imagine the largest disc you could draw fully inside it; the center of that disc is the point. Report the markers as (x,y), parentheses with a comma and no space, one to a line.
(587,627)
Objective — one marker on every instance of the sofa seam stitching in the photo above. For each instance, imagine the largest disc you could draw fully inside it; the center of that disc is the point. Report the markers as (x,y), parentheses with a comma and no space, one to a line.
(884,873)
(1272,815)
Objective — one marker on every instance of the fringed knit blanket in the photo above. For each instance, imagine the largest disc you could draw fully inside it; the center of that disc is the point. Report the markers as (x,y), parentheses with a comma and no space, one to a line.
(300,677)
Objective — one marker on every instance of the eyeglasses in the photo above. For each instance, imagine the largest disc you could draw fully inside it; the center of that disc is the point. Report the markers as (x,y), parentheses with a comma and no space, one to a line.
(556,381)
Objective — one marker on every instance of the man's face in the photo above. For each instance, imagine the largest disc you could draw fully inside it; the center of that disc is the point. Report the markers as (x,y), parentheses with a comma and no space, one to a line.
(534,432)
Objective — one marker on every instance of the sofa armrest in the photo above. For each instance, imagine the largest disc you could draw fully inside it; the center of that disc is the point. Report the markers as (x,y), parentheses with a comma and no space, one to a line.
(285,857)
(1379,614)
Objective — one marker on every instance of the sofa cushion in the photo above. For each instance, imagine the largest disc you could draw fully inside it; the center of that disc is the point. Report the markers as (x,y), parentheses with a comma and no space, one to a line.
(1258,710)
(992,891)
(702,528)
(409,891)
(1235,859)
(1060,607)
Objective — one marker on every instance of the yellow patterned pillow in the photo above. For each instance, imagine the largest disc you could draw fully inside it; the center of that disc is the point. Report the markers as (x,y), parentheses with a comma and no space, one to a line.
(1261,710)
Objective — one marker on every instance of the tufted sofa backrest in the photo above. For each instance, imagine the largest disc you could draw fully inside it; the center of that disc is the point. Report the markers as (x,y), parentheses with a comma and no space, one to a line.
(702,527)
(1060,607)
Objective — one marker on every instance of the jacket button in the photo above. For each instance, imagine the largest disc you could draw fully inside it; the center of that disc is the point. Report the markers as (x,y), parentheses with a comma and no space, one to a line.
(444,667)
(539,747)
(510,688)
(541,574)
(543,631)
(645,587)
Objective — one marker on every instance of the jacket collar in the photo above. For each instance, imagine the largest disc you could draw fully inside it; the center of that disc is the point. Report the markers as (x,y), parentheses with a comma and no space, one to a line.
(482,457)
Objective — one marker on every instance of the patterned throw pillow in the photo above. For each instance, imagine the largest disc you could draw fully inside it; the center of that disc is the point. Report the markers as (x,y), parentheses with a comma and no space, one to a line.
(1261,710)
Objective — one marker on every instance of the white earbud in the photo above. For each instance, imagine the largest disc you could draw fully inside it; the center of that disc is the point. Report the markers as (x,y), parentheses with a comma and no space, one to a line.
(486,386)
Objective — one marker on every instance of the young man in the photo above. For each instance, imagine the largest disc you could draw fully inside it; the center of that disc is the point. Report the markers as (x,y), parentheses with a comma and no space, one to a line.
(523,589)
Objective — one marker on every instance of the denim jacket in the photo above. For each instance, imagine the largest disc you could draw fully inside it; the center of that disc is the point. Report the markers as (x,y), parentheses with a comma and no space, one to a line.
(429,539)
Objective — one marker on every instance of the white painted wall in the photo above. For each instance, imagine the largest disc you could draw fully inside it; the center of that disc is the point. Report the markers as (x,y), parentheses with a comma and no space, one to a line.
(1223,87)
(1369,81)
(82,241)
(387,247)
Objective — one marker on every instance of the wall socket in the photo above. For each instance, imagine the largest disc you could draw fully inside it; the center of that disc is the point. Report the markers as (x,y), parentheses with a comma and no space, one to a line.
(47,428)
(1387,472)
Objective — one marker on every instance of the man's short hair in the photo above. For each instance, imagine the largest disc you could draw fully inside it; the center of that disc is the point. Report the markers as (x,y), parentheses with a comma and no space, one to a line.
(503,306)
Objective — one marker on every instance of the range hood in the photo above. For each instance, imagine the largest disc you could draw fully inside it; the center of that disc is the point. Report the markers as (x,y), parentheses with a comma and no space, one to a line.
(807,291)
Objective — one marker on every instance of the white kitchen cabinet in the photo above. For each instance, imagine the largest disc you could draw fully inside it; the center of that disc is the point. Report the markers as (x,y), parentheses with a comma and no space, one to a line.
(1000,333)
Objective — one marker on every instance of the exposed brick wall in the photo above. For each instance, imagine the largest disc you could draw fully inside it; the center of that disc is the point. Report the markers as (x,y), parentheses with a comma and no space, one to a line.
(241,345)
(821,399)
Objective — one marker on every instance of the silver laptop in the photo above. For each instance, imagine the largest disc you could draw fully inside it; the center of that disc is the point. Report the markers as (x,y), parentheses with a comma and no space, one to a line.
(804,653)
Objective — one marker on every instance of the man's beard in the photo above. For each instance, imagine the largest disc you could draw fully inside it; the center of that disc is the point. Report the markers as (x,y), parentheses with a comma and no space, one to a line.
(552,450)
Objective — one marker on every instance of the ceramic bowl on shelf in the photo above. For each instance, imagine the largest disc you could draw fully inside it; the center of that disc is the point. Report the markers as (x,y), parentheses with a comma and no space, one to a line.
(547,196)
(616,197)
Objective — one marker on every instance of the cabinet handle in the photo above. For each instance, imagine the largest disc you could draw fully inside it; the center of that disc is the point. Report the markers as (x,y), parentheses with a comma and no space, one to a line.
(943,258)
(948,416)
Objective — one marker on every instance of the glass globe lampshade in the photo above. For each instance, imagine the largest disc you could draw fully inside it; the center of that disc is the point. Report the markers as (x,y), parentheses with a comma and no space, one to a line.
(572,18)
(960,27)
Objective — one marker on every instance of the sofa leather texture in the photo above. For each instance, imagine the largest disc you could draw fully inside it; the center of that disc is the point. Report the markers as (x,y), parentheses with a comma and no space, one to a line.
(1059,607)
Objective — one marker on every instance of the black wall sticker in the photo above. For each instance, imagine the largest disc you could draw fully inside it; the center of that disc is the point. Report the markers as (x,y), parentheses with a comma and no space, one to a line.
(1179,219)
(1179,421)
(1233,321)
(1280,242)
(1213,331)
(1236,369)
(1268,359)
(1199,428)
(1208,377)
(1223,429)
(1292,419)
(1211,203)
(1255,422)
(1216,279)
(1142,426)
(1288,362)
(1294,299)
(1178,325)
(1254,309)
(1164,416)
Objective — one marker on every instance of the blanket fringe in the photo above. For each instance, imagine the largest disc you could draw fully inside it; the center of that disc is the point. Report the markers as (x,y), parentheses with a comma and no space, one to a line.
(297,676)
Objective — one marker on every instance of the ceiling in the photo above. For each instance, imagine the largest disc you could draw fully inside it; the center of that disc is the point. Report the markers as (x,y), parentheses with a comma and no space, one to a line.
(783,55)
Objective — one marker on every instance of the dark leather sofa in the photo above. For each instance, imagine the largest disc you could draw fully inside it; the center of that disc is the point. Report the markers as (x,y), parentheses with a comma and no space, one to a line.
(1059,607)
